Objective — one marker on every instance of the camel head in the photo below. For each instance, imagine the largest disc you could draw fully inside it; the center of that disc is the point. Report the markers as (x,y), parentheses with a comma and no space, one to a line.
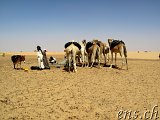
(84,42)
(95,40)
(109,41)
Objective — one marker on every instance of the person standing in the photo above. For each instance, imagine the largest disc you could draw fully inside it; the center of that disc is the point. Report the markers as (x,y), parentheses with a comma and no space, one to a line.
(40,58)
(45,60)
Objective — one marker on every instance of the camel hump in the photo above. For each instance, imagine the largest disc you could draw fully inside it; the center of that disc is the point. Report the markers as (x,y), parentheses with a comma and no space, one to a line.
(67,44)
(122,42)
(115,43)
(88,45)
(98,43)
(75,43)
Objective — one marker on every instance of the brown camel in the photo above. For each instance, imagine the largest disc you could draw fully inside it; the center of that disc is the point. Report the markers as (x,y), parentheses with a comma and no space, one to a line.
(104,50)
(117,46)
(93,51)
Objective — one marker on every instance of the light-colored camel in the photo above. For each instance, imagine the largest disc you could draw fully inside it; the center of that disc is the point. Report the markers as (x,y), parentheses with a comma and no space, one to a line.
(93,51)
(83,53)
(117,46)
(72,49)
(106,52)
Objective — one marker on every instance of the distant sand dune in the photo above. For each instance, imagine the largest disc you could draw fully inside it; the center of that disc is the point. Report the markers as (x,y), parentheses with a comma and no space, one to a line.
(34,53)
(143,55)
(131,55)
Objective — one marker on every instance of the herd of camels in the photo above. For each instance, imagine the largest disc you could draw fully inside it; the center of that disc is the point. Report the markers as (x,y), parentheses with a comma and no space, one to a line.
(90,52)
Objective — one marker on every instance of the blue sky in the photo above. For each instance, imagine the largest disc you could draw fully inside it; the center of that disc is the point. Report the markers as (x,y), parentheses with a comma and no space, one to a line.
(24,24)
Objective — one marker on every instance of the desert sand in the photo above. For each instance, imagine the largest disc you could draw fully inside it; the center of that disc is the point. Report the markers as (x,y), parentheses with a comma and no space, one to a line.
(90,94)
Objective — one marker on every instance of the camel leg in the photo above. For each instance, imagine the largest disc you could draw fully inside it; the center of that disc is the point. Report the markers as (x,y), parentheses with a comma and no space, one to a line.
(99,58)
(122,61)
(115,59)
(123,58)
(74,62)
(89,59)
(20,64)
(69,66)
(105,62)
(99,62)
(69,63)
(92,60)
(86,60)
(91,65)
(83,61)
(126,63)
(111,59)
(75,69)
(108,57)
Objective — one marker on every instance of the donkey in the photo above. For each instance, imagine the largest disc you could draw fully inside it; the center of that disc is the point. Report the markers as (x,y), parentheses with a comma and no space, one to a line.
(117,46)
(72,49)
(17,59)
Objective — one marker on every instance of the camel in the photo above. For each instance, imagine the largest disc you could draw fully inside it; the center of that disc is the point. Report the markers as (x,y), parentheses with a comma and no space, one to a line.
(83,52)
(72,49)
(104,50)
(159,55)
(93,51)
(117,46)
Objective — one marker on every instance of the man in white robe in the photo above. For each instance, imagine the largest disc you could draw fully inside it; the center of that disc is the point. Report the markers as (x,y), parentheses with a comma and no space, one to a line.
(40,57)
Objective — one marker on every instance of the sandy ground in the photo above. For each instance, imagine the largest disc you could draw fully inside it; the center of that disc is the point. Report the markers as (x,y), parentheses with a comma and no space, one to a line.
(89,94)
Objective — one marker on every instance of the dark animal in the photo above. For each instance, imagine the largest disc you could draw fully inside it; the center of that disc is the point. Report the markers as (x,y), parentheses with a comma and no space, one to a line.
(17,59)
(52,60)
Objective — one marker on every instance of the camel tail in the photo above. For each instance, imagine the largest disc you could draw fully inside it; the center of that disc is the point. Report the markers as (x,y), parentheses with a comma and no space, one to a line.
(125,51)
(125,54)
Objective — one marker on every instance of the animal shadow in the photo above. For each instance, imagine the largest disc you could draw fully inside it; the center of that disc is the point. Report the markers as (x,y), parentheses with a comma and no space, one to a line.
(113,66)
(19,69)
